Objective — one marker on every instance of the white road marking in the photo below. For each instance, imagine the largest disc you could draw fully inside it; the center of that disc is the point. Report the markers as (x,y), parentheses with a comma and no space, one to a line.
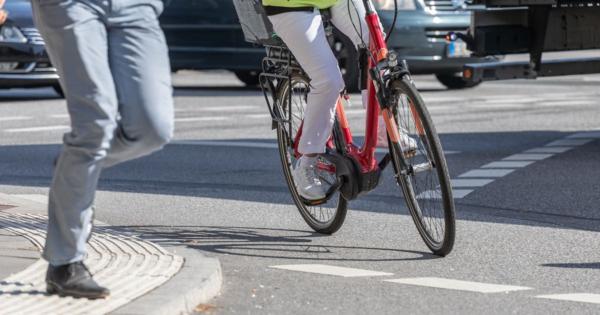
(15,118)
(451,284)
(568,142)
(223,108)
(263,145)
(574,297)
(332,270)
(508,164)
(528,157)
(60,116)
(486,173)
(436,194)
(585,135)
(37,129)
(549,150)
(470,182)
(194,119)
(261,116)
(461,193)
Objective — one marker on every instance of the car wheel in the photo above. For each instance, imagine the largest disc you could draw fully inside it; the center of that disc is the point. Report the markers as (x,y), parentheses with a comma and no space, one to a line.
(455,81)
(347,57)
(250,78)
(58,90)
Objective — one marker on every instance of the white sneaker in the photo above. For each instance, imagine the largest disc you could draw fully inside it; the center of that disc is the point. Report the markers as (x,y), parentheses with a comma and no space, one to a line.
(312,182)
(407,143)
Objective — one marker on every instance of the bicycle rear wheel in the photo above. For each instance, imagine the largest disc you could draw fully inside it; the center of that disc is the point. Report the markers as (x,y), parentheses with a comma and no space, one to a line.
(325,218)
(423,175)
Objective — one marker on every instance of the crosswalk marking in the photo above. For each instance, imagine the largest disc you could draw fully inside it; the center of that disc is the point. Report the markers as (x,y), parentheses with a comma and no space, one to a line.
(451,284)
(574,297)
(37,129)
(332,270)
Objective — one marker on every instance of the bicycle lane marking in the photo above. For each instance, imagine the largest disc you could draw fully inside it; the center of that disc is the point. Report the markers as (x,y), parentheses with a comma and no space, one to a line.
(573,297)
(466,183)
(460,285)
(332,270)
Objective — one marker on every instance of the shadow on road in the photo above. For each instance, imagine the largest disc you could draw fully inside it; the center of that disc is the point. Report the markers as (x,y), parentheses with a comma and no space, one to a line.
(529,196)
(268,243)
(595,265)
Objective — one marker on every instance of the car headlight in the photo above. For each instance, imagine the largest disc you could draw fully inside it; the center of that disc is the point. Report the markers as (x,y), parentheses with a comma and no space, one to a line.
(11,34)
(403,5)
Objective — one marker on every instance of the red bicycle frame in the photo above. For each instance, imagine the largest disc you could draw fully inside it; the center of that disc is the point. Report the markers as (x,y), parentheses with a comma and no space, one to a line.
(365,155)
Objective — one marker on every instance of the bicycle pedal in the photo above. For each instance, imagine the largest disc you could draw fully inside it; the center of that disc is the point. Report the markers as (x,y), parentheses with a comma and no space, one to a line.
(312,203)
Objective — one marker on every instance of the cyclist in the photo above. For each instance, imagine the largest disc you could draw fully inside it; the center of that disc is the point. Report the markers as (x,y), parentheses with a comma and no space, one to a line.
(299,24)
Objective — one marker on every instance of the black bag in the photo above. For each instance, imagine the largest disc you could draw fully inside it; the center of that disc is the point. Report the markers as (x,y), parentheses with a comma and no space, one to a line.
(255,24)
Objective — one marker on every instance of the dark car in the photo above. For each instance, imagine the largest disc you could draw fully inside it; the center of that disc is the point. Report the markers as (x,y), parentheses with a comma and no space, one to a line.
(420,38)
(205,34)
(23,58)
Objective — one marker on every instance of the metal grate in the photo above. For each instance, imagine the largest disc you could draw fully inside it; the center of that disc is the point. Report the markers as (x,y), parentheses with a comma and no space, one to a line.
(33,35)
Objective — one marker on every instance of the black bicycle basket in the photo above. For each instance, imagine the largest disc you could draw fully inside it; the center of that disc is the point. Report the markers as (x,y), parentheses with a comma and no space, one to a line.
(255,23)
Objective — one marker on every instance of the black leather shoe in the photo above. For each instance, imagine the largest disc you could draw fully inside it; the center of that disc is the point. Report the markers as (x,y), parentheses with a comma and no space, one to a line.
(73,280)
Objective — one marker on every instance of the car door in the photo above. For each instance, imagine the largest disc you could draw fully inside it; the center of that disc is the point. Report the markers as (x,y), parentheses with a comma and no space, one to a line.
(198,31)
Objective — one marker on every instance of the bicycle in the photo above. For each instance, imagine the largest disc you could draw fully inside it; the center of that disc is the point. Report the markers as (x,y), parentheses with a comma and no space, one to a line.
(422,174)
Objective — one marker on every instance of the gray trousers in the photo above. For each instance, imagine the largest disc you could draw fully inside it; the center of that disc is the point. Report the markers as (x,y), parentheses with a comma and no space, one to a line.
(114,68)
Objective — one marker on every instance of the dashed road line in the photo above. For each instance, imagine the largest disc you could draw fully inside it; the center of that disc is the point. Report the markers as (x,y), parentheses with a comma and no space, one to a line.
(332,270)
(485,173)
(568,142)
(15,118)
(209,143)
(528,157)
(38,129)
(498,169)
(549,150)
(196,119)
(573,297)
(460,285)
(508,164)
(60,116)
(461,182)
(585,135)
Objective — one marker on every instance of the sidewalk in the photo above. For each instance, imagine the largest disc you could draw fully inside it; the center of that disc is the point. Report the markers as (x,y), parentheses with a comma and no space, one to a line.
(143,277)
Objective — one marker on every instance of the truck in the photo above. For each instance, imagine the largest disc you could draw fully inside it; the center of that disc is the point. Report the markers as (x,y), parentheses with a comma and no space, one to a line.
(503,27)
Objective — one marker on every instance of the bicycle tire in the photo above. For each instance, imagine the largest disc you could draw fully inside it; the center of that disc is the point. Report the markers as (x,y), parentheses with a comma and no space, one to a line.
(321,225)
(429,149)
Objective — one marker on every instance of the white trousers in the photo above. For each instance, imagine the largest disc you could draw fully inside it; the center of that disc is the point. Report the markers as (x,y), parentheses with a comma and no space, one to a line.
(304,35)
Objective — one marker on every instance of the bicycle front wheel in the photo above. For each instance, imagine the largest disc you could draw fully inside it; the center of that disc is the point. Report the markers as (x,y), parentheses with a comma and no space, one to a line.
(324,218)
(422,174)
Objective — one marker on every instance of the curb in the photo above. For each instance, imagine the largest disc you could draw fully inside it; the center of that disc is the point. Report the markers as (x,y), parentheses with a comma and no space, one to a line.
(198,280)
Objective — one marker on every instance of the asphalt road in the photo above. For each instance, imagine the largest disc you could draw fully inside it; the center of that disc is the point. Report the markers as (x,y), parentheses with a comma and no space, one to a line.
(218,189)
